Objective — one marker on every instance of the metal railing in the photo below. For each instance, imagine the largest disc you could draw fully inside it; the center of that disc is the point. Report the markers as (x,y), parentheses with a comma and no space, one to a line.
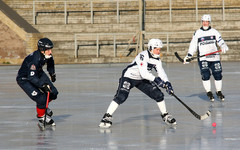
(164,36)
(97,37)
(91,11)
(114,35)
(65,10)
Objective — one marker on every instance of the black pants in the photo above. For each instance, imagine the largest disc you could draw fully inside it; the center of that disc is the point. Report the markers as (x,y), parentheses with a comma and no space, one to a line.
(207,67)
(126,84)
(34,92)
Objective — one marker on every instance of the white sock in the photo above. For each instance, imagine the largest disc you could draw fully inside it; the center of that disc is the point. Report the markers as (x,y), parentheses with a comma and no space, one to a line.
(162,107)
(207,85)
(112,107)
(218,85)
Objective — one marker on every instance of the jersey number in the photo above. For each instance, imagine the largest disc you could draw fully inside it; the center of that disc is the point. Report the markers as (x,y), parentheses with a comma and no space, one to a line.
(141,57)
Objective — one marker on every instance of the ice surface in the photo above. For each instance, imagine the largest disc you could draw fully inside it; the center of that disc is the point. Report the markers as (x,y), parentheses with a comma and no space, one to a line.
(85,91)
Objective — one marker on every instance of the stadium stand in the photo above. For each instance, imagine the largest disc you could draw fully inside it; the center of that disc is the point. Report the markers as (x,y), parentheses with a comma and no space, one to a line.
(104,31)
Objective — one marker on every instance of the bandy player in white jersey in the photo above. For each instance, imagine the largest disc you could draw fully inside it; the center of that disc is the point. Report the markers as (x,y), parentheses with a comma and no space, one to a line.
(138,74)
(205,40)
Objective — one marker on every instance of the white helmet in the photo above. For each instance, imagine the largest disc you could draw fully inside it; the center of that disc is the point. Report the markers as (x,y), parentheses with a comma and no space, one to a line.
(206,17)
(152,44)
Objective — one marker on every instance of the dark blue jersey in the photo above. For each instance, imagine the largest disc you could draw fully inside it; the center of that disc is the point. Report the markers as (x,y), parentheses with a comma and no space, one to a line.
(32,68)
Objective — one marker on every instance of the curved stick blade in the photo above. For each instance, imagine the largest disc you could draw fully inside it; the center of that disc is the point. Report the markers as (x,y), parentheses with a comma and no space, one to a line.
(208,113)
(178,57)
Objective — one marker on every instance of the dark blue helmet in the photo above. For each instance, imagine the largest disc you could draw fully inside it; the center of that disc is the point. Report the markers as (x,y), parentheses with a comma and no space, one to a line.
(45,44)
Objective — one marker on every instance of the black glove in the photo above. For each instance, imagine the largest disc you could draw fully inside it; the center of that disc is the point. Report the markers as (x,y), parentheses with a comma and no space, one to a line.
(53,77)
(169,88)
(159,82)
(46,88)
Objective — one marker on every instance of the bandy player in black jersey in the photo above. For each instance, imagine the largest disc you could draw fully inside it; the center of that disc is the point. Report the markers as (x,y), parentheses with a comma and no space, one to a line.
(36,83)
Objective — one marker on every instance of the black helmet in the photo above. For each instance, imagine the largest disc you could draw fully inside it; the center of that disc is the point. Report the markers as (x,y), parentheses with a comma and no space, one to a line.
(45,44)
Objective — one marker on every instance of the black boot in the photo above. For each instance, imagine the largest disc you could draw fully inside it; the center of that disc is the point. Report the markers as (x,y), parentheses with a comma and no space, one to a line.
(210,96)
(106,121)
(220,95)
(168,119)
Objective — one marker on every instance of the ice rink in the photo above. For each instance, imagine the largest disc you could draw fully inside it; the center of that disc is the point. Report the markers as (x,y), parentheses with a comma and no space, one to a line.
(85,91)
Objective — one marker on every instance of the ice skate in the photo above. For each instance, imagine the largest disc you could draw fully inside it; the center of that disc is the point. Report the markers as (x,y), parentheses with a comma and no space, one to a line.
(169,120)
(49,112)
(48,128)
(106,121)
(49,121)
(220,95)
(210,96)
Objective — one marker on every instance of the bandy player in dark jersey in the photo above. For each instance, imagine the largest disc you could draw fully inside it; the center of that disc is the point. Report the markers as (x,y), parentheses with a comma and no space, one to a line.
(35,82)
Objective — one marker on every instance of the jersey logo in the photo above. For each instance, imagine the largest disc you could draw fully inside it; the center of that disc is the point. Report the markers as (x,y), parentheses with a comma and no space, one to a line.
(32,73)
(202,39)
(218,67)
(33,67)
(207,42)
(126,85)
(204,65)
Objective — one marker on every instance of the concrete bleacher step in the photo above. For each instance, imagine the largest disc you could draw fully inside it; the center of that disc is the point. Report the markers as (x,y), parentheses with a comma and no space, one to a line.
(89,60)
(163,27)
(90,28)
(106,48)
(190,26)
(63,53)
(50,22)
(102,19)
(23,7)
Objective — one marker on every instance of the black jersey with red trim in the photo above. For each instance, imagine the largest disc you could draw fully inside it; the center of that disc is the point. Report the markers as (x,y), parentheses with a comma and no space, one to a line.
(32,68)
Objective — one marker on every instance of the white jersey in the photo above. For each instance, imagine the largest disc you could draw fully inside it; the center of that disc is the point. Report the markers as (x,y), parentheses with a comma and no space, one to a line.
(142,66)
(206,41)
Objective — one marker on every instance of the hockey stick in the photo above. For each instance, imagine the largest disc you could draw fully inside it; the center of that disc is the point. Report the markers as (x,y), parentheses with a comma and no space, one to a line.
(206,115)
(188,60)
(45,117)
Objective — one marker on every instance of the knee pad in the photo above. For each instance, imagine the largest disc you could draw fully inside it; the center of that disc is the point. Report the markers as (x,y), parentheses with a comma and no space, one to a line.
(53,96)
(206,75)
(121,97)
(156,94)
(217,71)
(217,76)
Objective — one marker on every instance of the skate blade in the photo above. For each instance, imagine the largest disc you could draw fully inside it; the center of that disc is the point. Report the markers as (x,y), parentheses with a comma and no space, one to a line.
(52,124)
(105,130)
(47,127)
(105,125)
(41,126)
(212,100)
(172,125)
(221,99)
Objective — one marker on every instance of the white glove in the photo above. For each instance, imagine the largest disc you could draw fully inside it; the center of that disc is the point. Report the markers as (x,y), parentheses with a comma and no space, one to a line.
(224,48)
(188,57)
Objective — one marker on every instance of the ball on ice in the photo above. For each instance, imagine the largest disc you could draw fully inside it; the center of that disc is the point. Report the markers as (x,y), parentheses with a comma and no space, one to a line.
(214,124)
